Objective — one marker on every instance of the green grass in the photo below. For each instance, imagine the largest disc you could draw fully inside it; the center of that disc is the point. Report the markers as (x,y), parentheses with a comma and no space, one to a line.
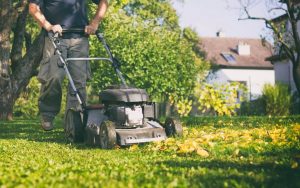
(238,152)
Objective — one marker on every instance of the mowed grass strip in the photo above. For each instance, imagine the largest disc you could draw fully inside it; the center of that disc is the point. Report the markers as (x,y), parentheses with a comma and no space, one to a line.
(214,152)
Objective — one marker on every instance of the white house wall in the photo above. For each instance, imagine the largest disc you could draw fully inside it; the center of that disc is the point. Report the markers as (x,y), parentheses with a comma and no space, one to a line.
(254,79)
(284,73)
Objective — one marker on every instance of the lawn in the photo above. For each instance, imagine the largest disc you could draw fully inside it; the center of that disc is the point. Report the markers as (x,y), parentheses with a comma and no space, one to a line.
(214,152)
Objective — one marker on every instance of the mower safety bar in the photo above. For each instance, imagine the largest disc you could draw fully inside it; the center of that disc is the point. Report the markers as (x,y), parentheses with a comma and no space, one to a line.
(114,62)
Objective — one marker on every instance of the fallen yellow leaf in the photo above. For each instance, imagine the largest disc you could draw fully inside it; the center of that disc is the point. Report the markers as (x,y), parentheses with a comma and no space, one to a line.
(294,165)
(236,152)
(296,127)
(202,152)
(134,147)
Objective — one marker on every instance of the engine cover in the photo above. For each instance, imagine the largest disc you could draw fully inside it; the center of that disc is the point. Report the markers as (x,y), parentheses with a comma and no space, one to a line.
(128,116)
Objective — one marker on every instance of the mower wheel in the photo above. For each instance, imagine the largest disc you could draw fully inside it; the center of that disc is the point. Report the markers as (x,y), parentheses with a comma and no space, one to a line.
(74,130)
(108,135)
(173,127)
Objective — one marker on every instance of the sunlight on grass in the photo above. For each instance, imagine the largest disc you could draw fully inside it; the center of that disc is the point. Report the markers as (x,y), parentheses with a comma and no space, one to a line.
(214,152)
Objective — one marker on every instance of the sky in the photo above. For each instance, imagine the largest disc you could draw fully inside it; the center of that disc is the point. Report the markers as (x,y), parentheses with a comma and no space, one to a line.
(209,16)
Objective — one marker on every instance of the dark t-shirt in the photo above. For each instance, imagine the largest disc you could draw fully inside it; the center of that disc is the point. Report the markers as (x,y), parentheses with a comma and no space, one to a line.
(67,13)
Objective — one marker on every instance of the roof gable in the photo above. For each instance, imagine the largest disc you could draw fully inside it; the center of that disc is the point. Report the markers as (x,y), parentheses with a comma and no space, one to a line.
(215,47)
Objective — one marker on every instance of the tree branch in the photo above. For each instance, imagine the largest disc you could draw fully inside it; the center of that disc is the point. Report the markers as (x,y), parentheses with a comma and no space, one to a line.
(277,8)
(270,25)
(293,20)
(19,33)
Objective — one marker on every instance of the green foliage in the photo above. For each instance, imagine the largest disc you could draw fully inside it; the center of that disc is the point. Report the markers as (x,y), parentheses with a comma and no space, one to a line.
(157,12)
(214,152)
(183,106)
(27,104)
(220,99)
(277,99)
(32,27)
(191,35)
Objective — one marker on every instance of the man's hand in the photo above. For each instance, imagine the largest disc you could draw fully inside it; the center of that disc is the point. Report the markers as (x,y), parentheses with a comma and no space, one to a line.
(55,29)
(92,28)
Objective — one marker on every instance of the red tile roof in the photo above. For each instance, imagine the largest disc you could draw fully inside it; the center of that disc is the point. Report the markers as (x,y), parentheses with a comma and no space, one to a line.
(214,47)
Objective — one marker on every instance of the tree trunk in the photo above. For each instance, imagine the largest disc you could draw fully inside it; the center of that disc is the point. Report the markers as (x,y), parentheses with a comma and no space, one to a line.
(5,77)
(15,70)
(296,75)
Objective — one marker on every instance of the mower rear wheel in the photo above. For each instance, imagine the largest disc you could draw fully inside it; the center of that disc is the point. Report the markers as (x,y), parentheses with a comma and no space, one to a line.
(74,130)
(108,135)
(173,127)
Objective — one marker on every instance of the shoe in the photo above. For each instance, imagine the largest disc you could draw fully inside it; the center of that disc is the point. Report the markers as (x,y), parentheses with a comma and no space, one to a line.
(47,123)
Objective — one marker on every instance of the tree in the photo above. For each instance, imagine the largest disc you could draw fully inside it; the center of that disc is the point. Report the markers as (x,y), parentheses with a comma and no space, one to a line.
(18,63)
(286,35)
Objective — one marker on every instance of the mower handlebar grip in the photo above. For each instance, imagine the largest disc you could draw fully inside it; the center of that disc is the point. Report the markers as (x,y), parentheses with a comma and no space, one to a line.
(74,30)
(51,34)
(80,31)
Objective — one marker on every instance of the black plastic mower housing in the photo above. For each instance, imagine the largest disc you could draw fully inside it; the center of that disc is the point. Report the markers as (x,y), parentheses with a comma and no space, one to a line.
(124,95)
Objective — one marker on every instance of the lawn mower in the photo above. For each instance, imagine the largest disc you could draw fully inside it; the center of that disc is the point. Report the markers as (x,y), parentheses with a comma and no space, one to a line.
(125,115)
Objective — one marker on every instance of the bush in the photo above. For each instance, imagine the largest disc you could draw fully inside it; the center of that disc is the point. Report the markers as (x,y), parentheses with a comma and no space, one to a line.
(220,99)
(153,56)
(255,107)
(277,99)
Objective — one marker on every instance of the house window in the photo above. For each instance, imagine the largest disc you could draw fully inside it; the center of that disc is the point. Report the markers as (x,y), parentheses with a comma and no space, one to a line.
(228,57)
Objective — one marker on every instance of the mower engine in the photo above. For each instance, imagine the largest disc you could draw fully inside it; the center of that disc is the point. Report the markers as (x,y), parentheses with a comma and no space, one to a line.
(127,116)
(132,114)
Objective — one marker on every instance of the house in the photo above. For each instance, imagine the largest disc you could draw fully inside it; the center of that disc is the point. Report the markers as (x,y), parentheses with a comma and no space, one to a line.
(239,60)
(283,67)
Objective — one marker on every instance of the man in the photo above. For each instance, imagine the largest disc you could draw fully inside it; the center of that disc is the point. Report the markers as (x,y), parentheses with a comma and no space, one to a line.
(54,16)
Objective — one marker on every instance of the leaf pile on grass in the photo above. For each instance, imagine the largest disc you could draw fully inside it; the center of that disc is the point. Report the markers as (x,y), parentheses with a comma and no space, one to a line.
(230,140)
(188,145)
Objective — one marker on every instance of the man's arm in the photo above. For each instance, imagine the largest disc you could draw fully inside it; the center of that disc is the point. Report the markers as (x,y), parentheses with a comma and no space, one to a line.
(101,10)
(37,14)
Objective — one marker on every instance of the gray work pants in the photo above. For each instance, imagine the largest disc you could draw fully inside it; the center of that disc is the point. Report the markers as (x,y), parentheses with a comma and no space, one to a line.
(51,75)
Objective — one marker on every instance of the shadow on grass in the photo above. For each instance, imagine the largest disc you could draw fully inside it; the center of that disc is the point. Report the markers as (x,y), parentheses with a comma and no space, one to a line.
(218,173)
(31,130)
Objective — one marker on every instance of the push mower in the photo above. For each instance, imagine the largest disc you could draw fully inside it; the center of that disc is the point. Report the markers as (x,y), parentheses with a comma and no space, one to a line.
(125,115)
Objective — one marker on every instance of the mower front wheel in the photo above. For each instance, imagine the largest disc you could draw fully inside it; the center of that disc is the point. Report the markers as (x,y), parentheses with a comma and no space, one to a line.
(74,130)
(173,127)
(108,135)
